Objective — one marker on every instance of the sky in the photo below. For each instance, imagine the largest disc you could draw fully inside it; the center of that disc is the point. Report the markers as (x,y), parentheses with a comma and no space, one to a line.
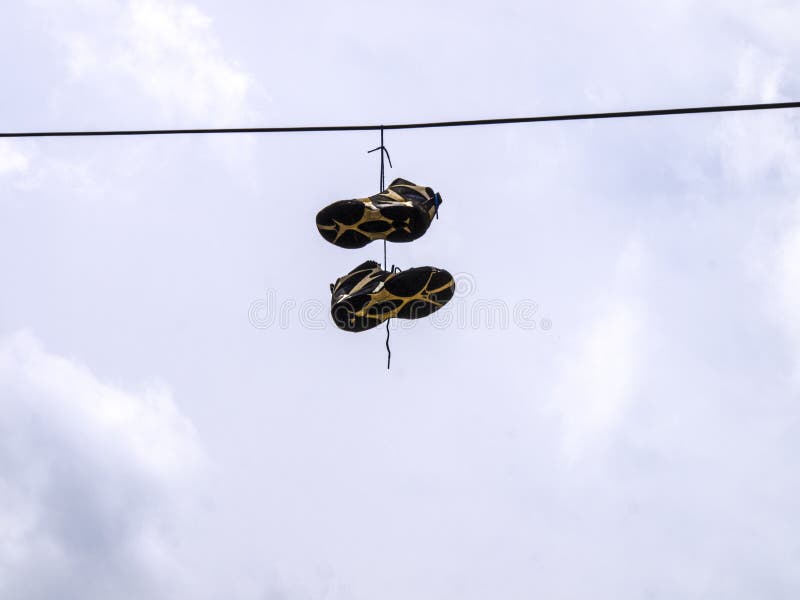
(609,408)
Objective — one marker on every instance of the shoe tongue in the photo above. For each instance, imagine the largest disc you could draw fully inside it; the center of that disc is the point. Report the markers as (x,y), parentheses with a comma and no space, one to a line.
(370,264)
(400,181)
(345,283)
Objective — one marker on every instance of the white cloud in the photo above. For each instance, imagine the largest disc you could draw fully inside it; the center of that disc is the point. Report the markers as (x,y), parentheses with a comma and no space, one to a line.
(166,51)
(598,376)
(758,146)
(786,283)
(12,160)
(760,156)
(140,64)
(90,476)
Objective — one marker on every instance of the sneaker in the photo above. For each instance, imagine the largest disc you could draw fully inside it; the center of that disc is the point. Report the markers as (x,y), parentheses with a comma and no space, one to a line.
(401,213)
(368,295)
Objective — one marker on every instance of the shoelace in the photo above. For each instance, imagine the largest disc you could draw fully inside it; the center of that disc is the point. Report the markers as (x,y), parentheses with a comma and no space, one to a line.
(437,200)
(384,152)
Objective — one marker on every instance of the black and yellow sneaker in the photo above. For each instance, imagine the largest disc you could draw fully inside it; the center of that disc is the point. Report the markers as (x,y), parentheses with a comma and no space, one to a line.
(368,295)
(401,213)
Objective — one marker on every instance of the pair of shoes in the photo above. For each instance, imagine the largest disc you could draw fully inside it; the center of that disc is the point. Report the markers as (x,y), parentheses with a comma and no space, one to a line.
(367,295)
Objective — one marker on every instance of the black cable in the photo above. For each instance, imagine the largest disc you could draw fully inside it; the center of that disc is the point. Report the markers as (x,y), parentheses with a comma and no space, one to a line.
(505,121)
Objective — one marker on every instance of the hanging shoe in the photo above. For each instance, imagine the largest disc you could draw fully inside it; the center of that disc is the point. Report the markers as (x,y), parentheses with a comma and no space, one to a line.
(368,295)
(401,213)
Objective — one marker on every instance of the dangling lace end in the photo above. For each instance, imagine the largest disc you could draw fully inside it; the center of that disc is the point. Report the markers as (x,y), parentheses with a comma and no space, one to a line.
(388,350)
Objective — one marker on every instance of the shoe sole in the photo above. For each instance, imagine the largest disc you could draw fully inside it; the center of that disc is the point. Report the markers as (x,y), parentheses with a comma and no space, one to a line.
(354,224)
(410,294)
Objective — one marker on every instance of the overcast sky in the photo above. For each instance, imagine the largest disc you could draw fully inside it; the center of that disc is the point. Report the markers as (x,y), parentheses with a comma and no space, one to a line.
(609,408)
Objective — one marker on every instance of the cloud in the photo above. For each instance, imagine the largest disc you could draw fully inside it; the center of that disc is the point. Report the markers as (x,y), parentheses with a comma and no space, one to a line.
(12,160)
(786,283)
(133,57)
(140,64)
(598,375)
(760,158)
(91,474)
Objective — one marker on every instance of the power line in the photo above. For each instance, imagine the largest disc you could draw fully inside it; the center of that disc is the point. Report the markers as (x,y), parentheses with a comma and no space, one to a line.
(504,121)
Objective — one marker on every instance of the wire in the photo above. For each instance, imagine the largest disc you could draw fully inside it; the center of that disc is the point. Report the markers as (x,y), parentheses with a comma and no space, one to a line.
(505,121)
